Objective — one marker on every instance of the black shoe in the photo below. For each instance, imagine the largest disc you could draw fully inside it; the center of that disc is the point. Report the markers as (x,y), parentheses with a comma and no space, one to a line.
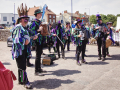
(39,74)
(99,58)
(43,71)
(21,83)
(28,86)
(108,55)
(29,64)
(68,50)
(103,59)
(43,54)
(83,61)
(78,63)
(64,58)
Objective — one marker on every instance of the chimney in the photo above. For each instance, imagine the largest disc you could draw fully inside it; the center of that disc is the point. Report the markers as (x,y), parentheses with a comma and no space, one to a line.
(47,8)
(77,12)
(65,11)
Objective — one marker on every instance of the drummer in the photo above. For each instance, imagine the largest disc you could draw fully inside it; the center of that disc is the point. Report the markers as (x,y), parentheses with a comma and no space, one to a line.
(109,24)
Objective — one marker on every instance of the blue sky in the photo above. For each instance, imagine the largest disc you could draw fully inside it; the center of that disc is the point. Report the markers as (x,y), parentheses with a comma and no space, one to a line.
(58,6)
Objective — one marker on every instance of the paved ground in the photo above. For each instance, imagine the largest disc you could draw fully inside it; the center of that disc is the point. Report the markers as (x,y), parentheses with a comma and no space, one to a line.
(66,75)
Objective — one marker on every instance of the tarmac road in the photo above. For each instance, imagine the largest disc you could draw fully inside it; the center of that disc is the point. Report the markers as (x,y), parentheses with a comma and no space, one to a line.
(66,75)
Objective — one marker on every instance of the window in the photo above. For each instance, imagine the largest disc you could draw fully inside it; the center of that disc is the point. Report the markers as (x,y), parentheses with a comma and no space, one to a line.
(4,18)
(49,20)
(43,20)
(53,20)
(49,16)
(12,18)
(53,16)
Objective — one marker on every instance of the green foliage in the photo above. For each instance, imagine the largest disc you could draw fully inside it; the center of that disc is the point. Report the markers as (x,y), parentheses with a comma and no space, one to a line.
(118,15)
(105,18)
(93,19)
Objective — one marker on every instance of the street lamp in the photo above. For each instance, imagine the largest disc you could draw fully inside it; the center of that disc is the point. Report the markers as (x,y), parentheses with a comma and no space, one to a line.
(71,14)
(89,14)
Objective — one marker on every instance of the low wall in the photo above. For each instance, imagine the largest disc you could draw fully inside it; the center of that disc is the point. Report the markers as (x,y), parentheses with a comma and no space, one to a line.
(4,34)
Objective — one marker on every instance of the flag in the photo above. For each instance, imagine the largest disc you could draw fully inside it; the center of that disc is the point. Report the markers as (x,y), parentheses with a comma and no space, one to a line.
(44,9)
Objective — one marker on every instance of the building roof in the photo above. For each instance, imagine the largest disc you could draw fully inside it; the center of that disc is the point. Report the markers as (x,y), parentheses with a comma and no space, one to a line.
(73,14)
(31,10)
(48,11)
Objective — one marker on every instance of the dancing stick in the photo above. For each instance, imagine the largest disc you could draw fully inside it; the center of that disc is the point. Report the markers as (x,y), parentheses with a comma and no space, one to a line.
(60,40)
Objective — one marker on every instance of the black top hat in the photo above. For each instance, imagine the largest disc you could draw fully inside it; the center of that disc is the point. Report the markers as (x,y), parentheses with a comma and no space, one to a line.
(67,23)
(78,21)
(109,23)
(37,11)
(98,17)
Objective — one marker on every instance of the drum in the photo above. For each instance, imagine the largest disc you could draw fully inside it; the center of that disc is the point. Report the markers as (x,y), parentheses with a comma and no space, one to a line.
(108,42)
(45,30)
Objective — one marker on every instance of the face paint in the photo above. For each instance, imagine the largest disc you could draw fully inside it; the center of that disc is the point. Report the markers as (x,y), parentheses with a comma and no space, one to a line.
(25,20)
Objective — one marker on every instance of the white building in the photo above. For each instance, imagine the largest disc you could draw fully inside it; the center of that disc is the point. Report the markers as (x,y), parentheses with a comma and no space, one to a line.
(7,18)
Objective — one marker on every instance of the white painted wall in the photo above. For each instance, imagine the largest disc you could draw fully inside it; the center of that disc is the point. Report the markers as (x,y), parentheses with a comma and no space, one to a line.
(118,23)
(9,18)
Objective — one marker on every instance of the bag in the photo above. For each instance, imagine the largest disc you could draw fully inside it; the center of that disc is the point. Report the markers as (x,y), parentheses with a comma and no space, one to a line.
(6,78)
(52,56)
(47,61)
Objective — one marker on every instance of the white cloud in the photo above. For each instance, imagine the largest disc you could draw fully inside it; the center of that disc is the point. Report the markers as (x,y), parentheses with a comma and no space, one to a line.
(58,6)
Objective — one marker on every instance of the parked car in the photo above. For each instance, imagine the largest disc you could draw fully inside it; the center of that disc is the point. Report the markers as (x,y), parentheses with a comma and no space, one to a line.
(1,27)
(9,41)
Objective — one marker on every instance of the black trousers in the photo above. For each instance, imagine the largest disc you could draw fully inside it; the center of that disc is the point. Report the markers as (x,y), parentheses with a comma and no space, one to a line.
(21,64)
(68,43)
(101,42)
(78,51)
(62,48)
(107,51)
(38,49)
(84,42)
(49,46)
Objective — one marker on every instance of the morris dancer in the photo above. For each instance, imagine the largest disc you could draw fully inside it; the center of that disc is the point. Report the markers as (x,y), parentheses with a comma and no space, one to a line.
(101,35)
(78,39)
(68,32)
(20,50)
(109,24)
(59,34)
(36,28)
(50,41)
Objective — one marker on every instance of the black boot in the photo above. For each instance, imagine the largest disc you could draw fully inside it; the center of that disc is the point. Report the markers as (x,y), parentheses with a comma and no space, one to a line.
(99,58)
(84,61)
(28,63)
(103,59)
(78,63)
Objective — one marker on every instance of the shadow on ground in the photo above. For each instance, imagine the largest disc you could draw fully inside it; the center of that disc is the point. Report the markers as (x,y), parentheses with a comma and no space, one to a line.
(92,55)
(114,57)
(63,72)
(98,63)
(50,83)
(6,63)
